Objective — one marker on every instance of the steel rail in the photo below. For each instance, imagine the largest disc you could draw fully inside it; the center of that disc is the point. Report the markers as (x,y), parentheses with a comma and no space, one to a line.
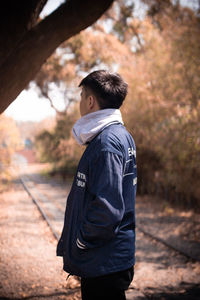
(45,217)
(158,239)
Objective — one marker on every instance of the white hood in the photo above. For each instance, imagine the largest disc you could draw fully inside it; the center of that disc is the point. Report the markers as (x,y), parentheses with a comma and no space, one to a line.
(87,127)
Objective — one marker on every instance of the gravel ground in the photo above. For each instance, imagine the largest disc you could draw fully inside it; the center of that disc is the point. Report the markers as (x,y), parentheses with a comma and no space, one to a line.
(29,268)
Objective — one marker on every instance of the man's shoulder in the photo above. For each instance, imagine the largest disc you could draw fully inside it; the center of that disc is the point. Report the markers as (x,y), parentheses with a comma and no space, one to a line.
(114,138)
(115,133)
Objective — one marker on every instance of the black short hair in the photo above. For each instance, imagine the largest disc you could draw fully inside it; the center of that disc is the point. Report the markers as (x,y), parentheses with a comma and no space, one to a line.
(109,88)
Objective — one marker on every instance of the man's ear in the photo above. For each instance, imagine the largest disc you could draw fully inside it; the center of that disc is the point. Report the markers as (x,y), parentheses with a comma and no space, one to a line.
(91,102)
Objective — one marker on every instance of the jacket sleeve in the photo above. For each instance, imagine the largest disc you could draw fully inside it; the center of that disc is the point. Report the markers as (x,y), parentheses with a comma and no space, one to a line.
(105,208)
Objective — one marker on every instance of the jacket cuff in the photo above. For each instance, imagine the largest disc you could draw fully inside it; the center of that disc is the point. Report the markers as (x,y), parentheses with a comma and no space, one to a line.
(80,244)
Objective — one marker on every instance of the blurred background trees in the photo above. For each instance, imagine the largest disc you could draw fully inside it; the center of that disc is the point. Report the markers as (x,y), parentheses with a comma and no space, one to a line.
(157,51)
(9,143)
(158,55)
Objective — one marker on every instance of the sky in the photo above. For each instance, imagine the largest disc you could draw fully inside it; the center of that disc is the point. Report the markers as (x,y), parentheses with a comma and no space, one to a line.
(28,106)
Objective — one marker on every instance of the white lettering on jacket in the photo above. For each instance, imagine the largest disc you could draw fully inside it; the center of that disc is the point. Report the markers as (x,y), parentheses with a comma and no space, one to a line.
(81,179)
(131,152)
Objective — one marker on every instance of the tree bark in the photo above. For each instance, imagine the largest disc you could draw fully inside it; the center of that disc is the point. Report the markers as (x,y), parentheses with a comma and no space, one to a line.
(16,18)
(38,44)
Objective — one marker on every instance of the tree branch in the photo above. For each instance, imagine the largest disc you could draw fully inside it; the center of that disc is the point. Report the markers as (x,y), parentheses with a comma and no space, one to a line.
(16,18)
(39,43)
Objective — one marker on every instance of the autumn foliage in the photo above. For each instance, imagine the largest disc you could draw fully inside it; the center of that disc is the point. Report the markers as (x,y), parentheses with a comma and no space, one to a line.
(58,146)
(159,58)
(9,143)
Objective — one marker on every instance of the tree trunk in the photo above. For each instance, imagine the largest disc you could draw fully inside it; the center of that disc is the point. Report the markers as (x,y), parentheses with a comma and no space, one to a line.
(38,44)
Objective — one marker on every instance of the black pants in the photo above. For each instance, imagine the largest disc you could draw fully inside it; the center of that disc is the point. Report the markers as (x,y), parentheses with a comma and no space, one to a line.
(107,287)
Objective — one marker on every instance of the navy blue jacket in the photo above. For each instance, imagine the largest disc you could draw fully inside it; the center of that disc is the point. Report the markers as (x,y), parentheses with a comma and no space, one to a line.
(98,236)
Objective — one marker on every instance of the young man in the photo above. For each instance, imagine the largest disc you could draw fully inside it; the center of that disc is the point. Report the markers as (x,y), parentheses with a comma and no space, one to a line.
(98,237)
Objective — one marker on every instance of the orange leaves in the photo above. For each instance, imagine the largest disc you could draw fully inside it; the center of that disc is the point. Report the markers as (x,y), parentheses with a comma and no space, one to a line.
(160,61)
(9,143)
(163,104)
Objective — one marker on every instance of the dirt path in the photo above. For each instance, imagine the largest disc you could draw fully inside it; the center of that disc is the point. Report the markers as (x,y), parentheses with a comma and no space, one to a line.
(29,268)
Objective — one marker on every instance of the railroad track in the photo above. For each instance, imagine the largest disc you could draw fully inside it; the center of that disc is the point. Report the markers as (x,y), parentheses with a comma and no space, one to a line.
(49,217)
(26,182)
(52,211)
(41,210)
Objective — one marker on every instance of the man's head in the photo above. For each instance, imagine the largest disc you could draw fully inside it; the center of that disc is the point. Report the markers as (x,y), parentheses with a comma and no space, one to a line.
(100,90)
